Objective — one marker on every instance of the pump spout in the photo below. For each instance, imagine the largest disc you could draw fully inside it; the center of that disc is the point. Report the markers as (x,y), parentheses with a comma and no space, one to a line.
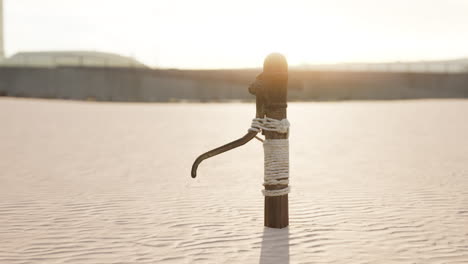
(232,145)
(256,89)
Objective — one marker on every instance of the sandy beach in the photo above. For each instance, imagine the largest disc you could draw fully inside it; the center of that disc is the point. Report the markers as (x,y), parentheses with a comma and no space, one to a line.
(372,182)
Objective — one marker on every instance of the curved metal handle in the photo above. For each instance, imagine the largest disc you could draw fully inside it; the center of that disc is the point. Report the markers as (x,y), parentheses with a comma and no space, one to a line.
(234,144)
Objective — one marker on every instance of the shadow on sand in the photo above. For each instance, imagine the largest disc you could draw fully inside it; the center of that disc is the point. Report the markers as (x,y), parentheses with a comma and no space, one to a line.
(275,246)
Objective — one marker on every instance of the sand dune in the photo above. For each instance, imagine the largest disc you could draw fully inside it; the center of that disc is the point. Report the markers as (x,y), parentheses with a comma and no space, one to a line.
(373,182)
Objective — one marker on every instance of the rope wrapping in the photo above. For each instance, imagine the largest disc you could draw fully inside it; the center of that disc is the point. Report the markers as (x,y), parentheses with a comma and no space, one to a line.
(276,155)
(270,124)
(276,165)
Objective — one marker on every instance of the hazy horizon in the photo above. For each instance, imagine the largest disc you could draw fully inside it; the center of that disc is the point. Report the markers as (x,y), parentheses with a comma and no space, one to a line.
(214,34)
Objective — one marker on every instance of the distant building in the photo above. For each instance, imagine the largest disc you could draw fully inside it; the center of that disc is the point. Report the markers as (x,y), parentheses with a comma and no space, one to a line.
(71,58)
(64,58)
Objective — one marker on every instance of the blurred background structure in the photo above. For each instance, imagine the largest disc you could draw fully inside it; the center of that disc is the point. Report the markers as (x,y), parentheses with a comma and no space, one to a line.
(70,58)
(105,76)
(153,85)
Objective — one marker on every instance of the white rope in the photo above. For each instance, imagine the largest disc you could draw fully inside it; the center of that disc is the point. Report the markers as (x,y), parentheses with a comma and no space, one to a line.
(269,124)
(276,155)
(276,166)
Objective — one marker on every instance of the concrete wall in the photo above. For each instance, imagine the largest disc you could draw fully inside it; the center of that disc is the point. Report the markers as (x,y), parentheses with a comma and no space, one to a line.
(145,85)
(379,85)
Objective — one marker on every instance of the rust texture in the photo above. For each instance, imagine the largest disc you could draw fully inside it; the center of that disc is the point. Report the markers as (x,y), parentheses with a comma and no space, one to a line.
(275,78)
(270,89)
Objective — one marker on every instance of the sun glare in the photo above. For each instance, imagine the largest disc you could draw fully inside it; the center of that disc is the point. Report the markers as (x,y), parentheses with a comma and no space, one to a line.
(220,34)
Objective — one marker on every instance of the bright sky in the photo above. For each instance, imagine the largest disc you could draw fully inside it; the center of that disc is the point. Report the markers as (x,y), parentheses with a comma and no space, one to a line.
(240,33)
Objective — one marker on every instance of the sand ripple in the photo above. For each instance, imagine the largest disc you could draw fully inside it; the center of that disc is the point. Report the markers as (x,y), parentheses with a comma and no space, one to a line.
(109,183)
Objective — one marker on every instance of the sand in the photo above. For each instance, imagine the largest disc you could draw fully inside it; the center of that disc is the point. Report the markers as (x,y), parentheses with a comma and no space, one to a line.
(372,182)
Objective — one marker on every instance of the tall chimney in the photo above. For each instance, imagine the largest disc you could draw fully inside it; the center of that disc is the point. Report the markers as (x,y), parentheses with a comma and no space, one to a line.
(2,51)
